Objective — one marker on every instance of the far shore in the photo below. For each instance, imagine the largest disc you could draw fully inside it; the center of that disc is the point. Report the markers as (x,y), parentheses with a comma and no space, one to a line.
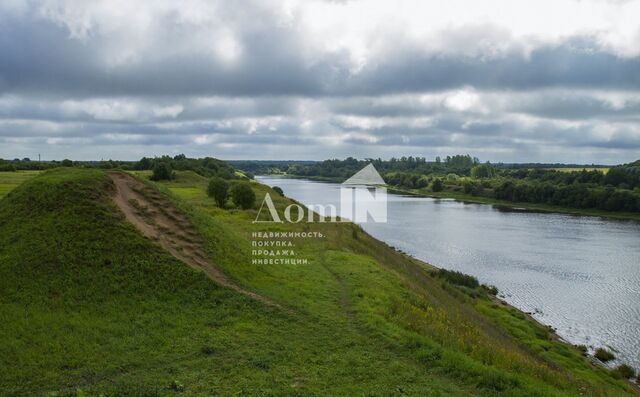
(467,198)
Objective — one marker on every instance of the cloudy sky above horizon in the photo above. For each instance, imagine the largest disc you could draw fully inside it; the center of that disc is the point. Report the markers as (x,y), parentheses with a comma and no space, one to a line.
(535,81)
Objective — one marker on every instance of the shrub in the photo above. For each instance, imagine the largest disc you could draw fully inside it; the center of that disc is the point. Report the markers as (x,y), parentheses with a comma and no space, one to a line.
(491,289)
(67,163)
(625,371)
(458,278)
(603,355)
(437,185)
(218,189)
(278,190)
(242,195)
(162,172)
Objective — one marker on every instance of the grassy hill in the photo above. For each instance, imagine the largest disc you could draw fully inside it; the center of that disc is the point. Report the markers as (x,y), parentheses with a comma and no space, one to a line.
(90,306)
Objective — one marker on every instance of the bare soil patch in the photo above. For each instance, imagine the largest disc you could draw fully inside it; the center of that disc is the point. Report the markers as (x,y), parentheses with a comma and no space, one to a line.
(158,219)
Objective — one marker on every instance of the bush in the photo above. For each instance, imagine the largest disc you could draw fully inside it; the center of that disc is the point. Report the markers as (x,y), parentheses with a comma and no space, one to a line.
(67,163)
(437,185)
(162,172)
(603,355)
(242,195)
(491,289)
(625,371)
(458,278)
(218,189)
(278,190)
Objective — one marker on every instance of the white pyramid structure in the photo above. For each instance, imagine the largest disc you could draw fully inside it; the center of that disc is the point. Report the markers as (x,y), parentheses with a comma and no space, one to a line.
(366,176)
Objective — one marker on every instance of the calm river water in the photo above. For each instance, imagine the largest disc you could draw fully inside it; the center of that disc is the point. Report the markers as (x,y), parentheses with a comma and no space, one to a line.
(578,274)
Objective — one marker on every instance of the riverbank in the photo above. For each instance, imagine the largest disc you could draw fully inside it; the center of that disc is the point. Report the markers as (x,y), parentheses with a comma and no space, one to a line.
(528,256)
(522,206)
(509,205)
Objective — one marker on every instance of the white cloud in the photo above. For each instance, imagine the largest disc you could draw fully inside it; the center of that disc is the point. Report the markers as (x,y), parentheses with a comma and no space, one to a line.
(168,111)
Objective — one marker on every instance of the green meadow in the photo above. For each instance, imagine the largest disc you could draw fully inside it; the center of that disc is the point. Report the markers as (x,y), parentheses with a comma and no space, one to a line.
(10,180)
(88,306)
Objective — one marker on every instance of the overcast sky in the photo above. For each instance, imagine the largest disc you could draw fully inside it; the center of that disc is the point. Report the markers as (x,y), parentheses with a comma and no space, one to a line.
(513,81)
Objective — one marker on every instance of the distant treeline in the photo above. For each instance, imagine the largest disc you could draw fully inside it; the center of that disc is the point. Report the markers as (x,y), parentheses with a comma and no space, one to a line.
(616,190)
(27,164)
(266,167)
(207,166)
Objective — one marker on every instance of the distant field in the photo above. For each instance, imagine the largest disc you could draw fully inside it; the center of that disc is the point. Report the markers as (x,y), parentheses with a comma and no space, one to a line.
(603,170)
(10,180)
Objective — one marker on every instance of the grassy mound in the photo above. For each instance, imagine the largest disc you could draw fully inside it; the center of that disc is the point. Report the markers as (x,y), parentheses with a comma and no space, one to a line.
(87,303)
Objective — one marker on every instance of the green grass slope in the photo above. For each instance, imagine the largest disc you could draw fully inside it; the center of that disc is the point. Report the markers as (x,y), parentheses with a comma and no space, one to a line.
(89,306)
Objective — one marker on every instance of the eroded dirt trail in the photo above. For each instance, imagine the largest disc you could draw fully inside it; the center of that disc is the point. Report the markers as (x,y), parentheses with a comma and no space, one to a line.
(158,219)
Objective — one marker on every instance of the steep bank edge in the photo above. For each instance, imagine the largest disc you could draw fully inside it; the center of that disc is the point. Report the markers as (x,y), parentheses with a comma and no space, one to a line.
(159,220)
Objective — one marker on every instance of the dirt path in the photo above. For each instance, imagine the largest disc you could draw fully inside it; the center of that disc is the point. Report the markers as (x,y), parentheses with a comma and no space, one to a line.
(158,219)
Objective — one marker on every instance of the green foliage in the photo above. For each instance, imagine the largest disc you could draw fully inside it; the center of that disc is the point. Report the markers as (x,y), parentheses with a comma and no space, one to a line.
(583,349)
(625,371)
(491,289)
(483,171)
(278,190)
(242,195)
(458,278)
(206,167)
(162,172)
(67,163)
(437,185)
(603,355)
(218,189)
(473,188)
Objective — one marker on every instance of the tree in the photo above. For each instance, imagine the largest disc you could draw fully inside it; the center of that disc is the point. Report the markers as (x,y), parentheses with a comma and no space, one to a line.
(278,190)
(67,163)
(437,185)
(242,195)
(162,172)
(483,171)
(218,189)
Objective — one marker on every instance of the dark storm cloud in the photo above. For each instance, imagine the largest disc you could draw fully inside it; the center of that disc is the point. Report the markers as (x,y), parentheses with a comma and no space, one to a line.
(39,57)
(567,65)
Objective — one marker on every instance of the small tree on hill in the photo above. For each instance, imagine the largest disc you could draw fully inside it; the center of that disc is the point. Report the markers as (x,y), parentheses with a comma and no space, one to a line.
(162,172)
(242,195)
(67,163)
(218,189)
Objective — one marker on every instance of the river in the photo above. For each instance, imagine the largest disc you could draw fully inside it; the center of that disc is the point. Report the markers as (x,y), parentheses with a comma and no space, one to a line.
(578,274)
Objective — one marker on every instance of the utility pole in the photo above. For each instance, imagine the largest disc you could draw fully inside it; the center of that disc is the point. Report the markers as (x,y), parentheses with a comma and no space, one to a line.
(38,157)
